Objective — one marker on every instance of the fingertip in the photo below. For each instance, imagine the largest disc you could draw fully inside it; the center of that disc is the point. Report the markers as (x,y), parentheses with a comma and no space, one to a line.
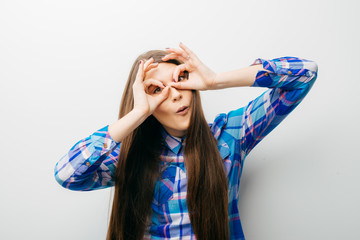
(175,75)
(176,85)
(166,91)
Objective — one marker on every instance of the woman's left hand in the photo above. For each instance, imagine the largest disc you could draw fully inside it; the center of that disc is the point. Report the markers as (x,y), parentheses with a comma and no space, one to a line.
(200,76)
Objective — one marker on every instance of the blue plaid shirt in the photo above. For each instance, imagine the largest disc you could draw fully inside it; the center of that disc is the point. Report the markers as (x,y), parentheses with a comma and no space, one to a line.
(90,164)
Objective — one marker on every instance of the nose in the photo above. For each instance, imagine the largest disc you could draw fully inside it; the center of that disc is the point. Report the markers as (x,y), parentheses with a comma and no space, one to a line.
(176,95)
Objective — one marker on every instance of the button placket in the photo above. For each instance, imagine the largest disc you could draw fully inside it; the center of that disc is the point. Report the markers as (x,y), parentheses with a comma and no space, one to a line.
(164,187)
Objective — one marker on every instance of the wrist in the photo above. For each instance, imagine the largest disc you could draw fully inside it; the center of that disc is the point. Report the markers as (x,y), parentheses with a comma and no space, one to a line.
(243,77)
(140,113)
(216,83)
(213,83)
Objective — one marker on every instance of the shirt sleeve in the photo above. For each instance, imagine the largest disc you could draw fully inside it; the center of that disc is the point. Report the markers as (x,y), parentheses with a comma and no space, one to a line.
(90,163)
(289,79)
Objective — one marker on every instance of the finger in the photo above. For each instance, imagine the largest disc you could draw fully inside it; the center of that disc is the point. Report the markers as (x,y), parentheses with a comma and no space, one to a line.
(187,50)
(174,56)
(181,85)
(169,55)
(177,70)
(151,85)
(151,66)
(148,62)
(152,81)
(163,95)
(179,52)
(140,73)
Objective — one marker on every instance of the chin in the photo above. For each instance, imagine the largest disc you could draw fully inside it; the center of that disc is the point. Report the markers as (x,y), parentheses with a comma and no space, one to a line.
(180,128)
(183,127)
(177,128)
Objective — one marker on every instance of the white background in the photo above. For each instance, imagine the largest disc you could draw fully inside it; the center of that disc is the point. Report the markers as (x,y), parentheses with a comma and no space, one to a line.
(63,67)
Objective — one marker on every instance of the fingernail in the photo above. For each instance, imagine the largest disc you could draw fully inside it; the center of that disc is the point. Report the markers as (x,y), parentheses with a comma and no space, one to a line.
(174,80)
(140,61)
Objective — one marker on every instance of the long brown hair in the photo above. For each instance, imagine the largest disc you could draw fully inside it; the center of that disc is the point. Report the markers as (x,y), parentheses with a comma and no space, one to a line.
(138,170)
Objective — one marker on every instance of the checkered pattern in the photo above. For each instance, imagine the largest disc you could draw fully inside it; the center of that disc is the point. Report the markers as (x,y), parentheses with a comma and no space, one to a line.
(90,163)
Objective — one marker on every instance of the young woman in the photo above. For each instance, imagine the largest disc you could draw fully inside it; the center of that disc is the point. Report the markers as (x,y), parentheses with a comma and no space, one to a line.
(175,175)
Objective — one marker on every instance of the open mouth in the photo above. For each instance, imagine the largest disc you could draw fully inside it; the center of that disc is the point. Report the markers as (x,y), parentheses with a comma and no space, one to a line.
(182,110)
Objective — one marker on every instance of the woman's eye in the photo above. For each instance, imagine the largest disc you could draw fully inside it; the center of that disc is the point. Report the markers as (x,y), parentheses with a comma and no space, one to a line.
(182,77)
(153,89)
(157,90)
(185,76)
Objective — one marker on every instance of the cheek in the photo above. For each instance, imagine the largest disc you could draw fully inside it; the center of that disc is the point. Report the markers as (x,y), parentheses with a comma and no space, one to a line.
(161,112)
(161,109)
(190,96)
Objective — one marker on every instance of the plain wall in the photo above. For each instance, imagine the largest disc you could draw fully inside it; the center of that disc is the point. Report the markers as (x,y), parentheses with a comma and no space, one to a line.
(63,67)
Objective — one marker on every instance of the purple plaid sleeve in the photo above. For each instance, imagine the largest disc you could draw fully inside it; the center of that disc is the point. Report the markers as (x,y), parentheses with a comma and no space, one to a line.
(288,81)
(90,163)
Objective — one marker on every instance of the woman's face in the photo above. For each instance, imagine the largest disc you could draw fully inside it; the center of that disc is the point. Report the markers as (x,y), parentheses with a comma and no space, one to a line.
(175,123)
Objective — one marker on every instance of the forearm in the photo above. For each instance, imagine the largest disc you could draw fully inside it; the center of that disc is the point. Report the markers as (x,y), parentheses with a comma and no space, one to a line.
(125,125)
(288,73)
(288,80)
(237,78)
(82,168)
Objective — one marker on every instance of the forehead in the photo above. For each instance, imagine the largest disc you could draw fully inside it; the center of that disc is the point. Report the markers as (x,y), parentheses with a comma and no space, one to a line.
(163,72)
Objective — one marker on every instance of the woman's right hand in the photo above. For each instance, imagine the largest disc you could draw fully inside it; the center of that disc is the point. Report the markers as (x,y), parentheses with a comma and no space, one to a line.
(144,101)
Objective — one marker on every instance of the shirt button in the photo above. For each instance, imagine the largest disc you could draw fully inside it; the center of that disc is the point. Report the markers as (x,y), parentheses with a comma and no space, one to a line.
(87,163)
(289,72)
(105,145)
(266,74)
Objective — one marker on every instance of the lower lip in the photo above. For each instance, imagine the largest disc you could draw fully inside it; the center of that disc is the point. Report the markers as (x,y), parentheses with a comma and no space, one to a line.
(183,112)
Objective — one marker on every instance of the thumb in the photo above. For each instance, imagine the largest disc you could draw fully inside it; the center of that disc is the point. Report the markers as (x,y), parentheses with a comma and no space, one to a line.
(163,95)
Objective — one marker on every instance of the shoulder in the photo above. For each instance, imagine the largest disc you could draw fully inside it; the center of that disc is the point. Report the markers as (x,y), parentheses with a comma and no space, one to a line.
(218,125)
(230,122)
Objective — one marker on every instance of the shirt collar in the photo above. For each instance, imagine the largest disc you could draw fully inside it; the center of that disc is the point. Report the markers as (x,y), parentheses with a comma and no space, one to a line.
(172,142)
